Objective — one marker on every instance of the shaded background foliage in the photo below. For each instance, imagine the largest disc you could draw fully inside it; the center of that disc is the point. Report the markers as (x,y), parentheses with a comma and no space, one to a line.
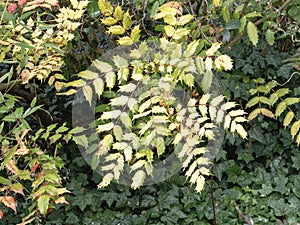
(255,180)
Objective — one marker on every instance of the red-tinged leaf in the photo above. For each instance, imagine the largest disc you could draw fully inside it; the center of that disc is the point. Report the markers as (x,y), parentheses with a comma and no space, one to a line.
(17,188)
(12,167)
(1,214)
(9,201)
(267,112)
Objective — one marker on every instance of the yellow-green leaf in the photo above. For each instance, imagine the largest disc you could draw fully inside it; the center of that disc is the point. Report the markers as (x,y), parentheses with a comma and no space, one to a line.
(252,102)
(118,13)
(295,128)
(184,19)
(241,131)
(280,108)
(105,127)
(127,21)
(270,37)
(254,114)
(252,33)
(105,7)
(135,33)
(125,119)
(99,86)
(116,29)
(88,93)
(267,112)
(43,204)
(103,67)
(288,118)
(291,100)
(125,41)
(109,21)
(138,179)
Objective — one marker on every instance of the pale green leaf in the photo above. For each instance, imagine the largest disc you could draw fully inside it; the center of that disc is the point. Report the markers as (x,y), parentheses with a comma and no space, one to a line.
(110,79)
(125,119)
(87,74)
(180,33)
(119,101)
(228,105)
(43,204)
(252,33)
(106,180)
(128,153)
(200,184)
(99,86)
(103,67)
(200,64)
(109,21)
(110,115)
(105,127)
(109,166)
(225,14)
(291,100)
(81,140)
(241,131)
(170,30)
(270,37)
(295,128)
(243,21)
(177,138)
(240,119)
(135,33)
(212,112)
(159,109)
(267,112)
(220,116)
(144,114)
(138,165)
(252,102)
(195,175)
(146,127)
(160,146)
(217,100)
(138,179)
(184,19)
(116,29)
(118,132)
(281,92)
(118,13)
(280,108)
(128,88)
(254,114)
(170,20)
(145,105)
(288,118)
(126,21)
(238,112)
(88,93)
(207,81)
(125,41)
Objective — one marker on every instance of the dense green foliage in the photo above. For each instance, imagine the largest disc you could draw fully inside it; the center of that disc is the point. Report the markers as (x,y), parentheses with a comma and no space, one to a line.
(51,50)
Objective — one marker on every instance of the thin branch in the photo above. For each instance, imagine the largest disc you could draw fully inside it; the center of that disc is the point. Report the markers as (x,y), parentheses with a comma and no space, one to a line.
(198,25)
(245,7)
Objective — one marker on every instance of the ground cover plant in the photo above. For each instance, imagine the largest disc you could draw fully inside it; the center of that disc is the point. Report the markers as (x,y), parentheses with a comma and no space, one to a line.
(213,86)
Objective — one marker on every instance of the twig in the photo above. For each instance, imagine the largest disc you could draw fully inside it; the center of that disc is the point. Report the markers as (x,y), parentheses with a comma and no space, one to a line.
(198,26)
(245,7)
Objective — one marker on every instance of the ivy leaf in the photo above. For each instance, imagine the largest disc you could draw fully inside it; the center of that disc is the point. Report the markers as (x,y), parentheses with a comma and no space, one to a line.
(43,204)
(252,33)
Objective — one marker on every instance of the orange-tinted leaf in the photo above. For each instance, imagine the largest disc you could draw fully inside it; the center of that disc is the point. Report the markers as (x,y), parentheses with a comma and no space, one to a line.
(12,167)
(175,5)
(9,201)
(17,188)
(1,214)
